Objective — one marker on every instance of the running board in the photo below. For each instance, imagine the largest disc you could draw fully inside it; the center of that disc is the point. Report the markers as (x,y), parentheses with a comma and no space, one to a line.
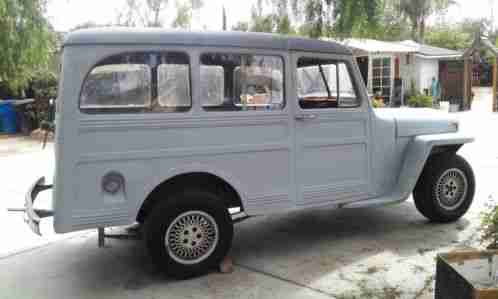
(376,202)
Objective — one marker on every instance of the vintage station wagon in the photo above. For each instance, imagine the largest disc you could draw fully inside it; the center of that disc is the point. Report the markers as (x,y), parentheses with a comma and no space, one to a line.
(187,132)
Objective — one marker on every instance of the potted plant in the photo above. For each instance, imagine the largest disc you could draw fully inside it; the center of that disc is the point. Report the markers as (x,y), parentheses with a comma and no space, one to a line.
(472,273)
(420,101)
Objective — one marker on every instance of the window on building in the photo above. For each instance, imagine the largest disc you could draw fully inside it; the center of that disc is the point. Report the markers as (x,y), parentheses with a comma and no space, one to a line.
(325,83)
(381,78)
(237,82)
(138,82)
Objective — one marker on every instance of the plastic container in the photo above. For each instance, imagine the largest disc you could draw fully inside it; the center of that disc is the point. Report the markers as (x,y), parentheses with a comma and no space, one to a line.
(8,118)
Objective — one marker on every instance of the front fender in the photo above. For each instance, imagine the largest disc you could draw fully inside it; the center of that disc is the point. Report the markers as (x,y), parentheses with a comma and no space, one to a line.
(418,152)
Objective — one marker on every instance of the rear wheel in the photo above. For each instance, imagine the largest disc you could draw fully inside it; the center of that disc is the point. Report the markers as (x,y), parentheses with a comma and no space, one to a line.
(189,234)
(445,189)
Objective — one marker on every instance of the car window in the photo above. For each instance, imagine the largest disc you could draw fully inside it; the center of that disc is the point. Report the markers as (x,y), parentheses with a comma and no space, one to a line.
(238,82)
(117,86)
(173,86)
(325,83)
(138,82)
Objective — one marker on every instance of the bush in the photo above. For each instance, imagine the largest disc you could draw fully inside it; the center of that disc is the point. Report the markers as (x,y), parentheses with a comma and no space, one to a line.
(420,101)
(378,103)
(489,226)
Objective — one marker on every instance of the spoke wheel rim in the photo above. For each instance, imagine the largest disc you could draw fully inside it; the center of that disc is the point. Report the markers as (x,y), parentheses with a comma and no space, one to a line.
(191,237)
(451,189)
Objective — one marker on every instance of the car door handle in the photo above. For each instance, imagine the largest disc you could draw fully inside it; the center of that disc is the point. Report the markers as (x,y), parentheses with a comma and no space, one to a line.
(305,116)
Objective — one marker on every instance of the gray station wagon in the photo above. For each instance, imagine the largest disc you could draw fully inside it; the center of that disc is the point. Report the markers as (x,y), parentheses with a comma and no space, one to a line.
(189,132)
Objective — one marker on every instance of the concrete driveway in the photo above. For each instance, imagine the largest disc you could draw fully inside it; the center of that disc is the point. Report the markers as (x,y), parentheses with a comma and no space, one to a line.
(366,253)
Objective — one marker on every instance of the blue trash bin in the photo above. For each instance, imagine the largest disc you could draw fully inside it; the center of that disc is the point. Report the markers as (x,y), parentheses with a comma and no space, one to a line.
(8,118)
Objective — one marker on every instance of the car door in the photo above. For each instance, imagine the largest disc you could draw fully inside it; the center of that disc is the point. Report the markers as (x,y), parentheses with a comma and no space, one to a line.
(332,130)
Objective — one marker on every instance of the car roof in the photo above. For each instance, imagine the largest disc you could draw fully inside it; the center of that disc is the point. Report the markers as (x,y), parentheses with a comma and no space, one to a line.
(120,35)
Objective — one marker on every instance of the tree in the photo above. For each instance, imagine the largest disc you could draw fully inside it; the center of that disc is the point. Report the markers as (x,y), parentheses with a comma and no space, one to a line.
(146,13)
(417,11)
(241,26)
(448,36)
(224,19)
(183,16)
(26,41)
(278,20)
(335,17)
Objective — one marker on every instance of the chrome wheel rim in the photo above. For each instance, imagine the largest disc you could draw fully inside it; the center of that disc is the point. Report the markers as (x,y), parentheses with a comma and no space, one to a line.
(451,189)
(191,237)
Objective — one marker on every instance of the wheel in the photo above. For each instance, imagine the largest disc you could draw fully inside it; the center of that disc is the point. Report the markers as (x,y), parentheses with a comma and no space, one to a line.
(445,189)
(189,234)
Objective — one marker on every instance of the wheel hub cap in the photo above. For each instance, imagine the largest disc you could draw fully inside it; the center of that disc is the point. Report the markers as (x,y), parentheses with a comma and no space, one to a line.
(451,189)
(191,237)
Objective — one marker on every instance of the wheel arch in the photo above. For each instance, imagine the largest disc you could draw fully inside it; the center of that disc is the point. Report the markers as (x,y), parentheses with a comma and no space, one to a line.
(419,151)
(232,193)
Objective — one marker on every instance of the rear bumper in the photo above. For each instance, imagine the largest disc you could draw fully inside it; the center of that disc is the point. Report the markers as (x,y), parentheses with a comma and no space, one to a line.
(33,216)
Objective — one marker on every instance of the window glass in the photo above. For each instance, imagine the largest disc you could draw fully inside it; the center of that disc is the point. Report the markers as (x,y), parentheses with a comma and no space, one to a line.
(212,85)
(117,86)
(138,82)
(325,83)
(173,86)
(235,82)
(381,78)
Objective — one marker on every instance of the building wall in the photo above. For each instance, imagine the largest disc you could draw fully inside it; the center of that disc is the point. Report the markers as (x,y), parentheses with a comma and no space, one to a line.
(427,69)
(408,71)
(418,71)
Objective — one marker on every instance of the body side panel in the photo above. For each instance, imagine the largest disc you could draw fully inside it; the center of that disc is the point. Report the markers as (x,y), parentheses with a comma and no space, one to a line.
(250,150)
(416,155)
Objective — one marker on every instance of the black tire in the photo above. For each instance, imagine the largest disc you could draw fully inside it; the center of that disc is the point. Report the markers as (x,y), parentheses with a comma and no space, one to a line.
(165,212)
(426,193)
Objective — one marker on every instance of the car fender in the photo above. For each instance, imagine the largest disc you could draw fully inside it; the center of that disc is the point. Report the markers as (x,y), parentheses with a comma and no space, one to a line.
(193,168)
(417,154)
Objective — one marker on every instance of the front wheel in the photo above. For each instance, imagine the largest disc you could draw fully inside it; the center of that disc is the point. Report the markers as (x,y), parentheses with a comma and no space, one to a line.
(189,234)
(445,189)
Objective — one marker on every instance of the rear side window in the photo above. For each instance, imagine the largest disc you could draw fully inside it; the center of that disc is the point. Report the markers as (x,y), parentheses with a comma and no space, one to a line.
(138,82)
(238,82)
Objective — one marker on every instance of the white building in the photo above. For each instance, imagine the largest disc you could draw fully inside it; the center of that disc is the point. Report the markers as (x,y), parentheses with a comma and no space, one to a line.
(394,68)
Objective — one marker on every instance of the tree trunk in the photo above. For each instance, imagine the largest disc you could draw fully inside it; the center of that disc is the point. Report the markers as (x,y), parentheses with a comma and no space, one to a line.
(414,30)
(421,34)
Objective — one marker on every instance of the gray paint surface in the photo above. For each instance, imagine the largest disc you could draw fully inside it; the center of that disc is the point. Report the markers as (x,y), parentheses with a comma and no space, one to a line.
(254,40)
(341,158)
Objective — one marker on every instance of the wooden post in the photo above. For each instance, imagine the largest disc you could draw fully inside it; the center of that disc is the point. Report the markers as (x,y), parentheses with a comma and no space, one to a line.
(495,82)
(465,81)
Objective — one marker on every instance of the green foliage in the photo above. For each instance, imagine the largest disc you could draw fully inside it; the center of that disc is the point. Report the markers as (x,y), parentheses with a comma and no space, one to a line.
(417,11)
(241,26)
(277,22)
(448,36)
(336,17)
(378,103)
(489,226)
(44,85)
(26,41)
(420,101)
(183,16)
(147,13)
(356,15)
